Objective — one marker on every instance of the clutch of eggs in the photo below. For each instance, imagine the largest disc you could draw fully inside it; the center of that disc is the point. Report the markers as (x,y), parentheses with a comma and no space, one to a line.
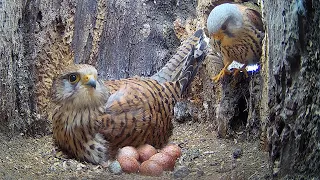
(153,163)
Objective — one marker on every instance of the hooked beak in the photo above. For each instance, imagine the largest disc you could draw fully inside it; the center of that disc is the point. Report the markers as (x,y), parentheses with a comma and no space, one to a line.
(89,80)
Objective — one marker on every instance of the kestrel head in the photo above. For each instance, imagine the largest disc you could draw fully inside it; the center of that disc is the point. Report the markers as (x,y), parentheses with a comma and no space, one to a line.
(225,19)
(78,84)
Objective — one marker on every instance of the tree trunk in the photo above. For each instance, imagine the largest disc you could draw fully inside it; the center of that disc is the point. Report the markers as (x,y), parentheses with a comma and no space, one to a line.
(18,102)
(292,81)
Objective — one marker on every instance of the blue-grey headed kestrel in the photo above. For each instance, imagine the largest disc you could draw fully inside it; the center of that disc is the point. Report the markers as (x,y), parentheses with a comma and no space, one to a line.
(92,119)
(237,31)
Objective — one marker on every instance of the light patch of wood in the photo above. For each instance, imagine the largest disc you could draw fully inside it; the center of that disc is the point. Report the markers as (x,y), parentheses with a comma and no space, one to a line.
(53,55)
(97,31)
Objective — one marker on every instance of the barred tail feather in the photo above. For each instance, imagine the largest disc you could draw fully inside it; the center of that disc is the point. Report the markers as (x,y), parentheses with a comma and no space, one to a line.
(172,70)
(191,65)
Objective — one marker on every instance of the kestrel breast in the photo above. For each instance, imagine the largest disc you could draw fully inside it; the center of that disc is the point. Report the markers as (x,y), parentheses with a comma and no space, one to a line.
(245,48)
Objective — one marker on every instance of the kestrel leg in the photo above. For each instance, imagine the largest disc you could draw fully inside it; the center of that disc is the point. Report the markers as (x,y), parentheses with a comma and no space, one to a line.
(243,69)
(222,72)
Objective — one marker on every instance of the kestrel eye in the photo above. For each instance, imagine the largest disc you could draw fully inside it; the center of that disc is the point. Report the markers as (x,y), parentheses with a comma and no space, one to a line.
(73,78)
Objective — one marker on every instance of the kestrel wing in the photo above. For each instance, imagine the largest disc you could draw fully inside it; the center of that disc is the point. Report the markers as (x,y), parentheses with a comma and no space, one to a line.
(171,71)
(114,85)
(255,18)
(134,114)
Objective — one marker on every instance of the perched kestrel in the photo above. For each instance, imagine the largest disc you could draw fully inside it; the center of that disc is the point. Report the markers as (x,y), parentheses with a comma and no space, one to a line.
(237,31)
(93,119)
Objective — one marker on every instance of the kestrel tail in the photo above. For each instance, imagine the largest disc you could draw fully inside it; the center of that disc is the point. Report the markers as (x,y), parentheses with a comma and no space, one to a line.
(172,70)
(93,119)
(238,32)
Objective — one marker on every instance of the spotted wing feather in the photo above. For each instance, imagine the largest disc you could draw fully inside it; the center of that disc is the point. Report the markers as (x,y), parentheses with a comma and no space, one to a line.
(139,112)
(255,18)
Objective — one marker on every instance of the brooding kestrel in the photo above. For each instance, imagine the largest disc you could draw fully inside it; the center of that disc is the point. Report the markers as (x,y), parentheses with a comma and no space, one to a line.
(93,119)
(237,31)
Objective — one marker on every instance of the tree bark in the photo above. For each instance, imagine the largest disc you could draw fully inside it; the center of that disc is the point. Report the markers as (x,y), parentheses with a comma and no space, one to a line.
(18,110)
(292,97)
(34,47)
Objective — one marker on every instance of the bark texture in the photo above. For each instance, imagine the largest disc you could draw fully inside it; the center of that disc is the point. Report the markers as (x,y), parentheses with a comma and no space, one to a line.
(18,103)
(292,83)
(34,46)
(138,39)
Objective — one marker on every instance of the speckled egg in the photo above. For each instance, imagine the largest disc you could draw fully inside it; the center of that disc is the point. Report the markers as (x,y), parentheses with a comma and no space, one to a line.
(151,168)
(128,151)
(173,150)
(145,152)
(166,161)
(129,164)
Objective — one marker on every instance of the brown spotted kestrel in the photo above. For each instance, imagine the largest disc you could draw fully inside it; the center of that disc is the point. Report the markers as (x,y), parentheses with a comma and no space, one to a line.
(93,119)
